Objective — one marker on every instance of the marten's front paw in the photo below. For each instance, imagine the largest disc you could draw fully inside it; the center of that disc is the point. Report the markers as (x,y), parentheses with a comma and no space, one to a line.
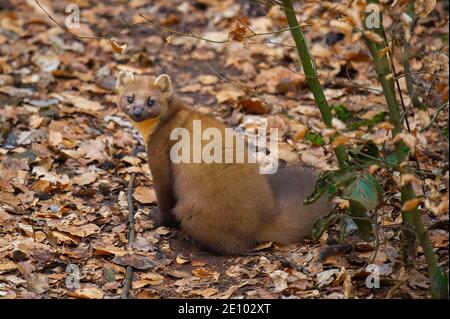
(166,219)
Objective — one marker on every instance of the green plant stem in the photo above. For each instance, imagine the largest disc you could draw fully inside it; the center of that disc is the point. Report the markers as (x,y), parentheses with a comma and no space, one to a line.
(311,74)
(412,219)
(406,66)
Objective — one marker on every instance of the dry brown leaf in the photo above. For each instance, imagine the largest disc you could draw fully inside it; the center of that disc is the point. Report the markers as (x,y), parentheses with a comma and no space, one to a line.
(42,186)
(408,139)
(4,216)
(7,266)
(181,260)
(9,198)
(37,283)
(439,238)
(109,250)
(372,36)
(85,178)
(206,293)
(134,260)
(94,149)
(326,277)
(279,279)
(87,293)
(204,273)
(144,195)
(264,245)
(55,138)
(229,93)
(80,231)
(252,106)
(423,8)
(208,79)
(237,33)
(79,102)
(118,48)
(301,133)
(438,209)
(339,141)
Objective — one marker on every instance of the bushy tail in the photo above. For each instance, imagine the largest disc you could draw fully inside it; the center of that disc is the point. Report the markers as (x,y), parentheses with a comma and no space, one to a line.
(293,221)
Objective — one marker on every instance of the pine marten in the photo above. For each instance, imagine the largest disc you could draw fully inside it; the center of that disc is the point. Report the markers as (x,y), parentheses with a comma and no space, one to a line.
(227,208)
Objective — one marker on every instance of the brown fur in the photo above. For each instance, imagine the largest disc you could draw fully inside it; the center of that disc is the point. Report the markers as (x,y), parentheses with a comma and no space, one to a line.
(225,207)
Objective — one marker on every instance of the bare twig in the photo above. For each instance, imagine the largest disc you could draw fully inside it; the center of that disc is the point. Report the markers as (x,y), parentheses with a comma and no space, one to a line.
(154,24)
(108,36)
(268,41)
(439,109)
(421,72)
(357,86)
(132,232)
(195,36)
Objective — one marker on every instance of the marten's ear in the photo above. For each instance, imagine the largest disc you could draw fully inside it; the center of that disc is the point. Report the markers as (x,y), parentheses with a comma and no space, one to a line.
(164,84)
(123,78)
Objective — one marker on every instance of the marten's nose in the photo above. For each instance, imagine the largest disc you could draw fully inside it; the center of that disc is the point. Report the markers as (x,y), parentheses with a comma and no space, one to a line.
(137,112)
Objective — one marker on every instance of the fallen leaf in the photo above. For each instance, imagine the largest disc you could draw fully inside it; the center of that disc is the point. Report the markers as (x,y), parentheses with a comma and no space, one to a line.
(326,277)
(118,48)
(237,33)
(80,231)
(181,260)
(279,279)
(87,293)
(85,178)
(144,195)
(206,293)
(38,283)
(134,260)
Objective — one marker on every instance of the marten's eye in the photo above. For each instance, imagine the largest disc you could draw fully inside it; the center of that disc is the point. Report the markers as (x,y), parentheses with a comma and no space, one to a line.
(150,102)
(130,99)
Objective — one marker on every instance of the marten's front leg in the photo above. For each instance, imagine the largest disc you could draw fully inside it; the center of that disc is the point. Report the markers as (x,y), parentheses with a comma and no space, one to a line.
(163,215)
(160,167)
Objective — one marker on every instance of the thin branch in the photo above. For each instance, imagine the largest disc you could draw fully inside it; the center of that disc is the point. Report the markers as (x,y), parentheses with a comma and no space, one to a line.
(331,80)
(439,109)
(406,55)
(102,37)
(401,75)
(132,232)
(128,26)
(195,36)
(268,41)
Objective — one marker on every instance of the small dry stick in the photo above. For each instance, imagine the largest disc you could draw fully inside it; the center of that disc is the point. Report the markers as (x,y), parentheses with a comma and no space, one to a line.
(132,232)
(147,21)
(439,109)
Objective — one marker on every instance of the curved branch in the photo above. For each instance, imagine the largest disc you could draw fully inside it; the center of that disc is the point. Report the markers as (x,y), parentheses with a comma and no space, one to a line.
(128,26)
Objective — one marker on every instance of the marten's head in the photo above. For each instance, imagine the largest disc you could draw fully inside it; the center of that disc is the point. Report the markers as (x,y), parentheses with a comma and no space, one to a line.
(143,97)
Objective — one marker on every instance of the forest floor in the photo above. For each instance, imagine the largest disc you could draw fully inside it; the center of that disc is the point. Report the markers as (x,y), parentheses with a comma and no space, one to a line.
(66,150)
